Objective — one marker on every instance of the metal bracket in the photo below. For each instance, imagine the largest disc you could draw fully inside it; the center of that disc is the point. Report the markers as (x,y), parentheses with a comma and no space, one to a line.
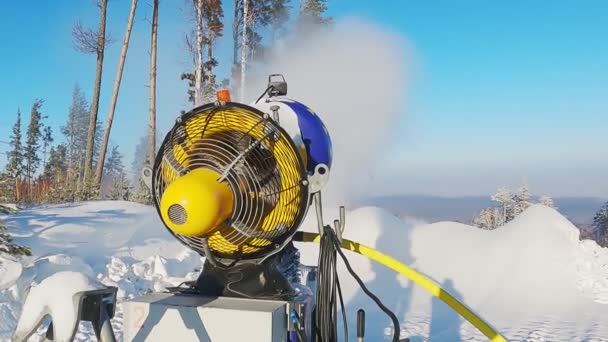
(319,178)
(275,114)
(339,224)
(146,175)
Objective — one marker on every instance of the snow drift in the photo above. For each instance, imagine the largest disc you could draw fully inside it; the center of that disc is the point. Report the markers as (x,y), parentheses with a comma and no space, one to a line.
(532,279)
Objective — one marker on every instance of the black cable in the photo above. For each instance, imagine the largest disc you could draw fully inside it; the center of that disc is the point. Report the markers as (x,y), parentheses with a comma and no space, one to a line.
(264,93)
(298,328)
(397,329)
(325,316)
(342,308)
(328,285)
(300,335)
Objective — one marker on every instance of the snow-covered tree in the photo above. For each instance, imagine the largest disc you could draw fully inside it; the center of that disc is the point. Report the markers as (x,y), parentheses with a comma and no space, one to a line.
(119,188)
(522,200)
(488,218)
(143,194)
(548,201)
(600,226)
(506,200)
(510,205)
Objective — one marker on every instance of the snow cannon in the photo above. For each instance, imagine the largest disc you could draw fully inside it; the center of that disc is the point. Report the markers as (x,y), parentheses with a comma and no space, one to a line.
(234,182)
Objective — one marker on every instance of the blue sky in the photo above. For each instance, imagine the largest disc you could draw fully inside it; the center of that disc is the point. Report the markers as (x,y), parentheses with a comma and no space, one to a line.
(502,91)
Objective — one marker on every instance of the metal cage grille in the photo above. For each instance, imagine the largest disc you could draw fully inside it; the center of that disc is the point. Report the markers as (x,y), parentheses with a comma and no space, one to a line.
(261,165)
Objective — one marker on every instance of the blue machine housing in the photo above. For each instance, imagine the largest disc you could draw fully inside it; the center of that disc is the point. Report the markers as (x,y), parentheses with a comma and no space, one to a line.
(314,135)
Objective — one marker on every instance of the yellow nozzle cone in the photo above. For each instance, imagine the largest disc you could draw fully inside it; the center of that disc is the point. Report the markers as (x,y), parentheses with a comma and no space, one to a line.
(196,204)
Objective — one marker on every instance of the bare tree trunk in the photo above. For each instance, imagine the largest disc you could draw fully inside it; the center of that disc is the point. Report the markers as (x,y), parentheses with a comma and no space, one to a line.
(235,42)
(210,78)
(88,166)
(114,99)
(244,48)
(235,32)
(198,70)
(29,182)
(152,125)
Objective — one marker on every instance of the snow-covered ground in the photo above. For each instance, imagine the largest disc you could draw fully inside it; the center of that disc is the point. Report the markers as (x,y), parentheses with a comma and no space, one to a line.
(532,279)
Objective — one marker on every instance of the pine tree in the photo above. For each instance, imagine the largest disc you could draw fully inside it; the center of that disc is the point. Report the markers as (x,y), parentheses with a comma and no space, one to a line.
(250,17)
(47,139)
(6,190)
(32,160)
(15,167)
(212,15)
(56,170)
(143,194)
(201,42)
(113,169)
(600,226)
(522,200)
(506,199)
(57,164)
(114,166)
(140,157)
(278,17)
(117,190)
(75,132)
(311,14)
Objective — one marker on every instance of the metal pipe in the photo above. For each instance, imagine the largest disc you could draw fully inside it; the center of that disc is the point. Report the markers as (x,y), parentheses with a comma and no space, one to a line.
(105,333)
(360,325)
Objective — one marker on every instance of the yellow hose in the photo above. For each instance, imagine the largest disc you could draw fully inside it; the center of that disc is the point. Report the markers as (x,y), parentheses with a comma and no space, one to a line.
(416,277)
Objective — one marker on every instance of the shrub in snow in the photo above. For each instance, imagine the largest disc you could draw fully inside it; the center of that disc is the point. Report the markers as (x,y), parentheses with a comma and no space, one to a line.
(7,246)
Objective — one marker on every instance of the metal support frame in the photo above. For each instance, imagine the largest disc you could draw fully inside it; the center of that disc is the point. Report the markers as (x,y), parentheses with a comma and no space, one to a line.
(97,307)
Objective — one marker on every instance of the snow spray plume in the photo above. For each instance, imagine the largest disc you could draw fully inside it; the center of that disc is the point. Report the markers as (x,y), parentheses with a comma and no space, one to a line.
(353,76)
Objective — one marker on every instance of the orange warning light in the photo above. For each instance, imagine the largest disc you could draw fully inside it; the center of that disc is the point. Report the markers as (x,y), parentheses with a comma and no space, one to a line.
(223,95)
